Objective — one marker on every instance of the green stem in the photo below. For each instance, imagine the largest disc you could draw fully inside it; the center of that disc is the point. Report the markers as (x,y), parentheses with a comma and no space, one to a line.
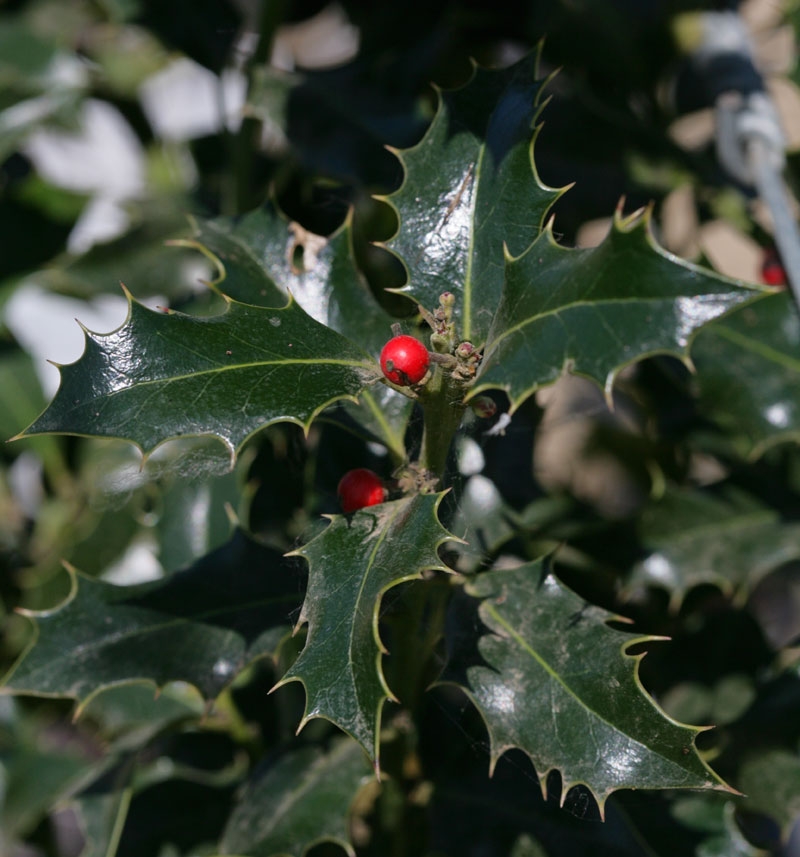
(443,408)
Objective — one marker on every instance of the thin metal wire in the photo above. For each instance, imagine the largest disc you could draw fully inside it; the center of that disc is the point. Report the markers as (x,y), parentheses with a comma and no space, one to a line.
(773,191)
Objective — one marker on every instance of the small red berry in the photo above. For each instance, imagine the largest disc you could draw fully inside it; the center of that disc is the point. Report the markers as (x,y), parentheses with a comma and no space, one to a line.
(404,360)
(359,488)
(772,272)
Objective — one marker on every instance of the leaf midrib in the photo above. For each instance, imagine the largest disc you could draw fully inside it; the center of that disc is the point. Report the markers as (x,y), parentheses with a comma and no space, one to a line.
(583,303)
(319,768)
(113,640)
(553,674)
(757,347)
(467,290)
(232,368)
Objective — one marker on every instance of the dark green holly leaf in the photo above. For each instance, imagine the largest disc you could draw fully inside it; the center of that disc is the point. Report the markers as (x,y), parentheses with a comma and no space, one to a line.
(101,816)
(696,537)
(40,764)
(262,257)
(140,258)
(748,373)
(771,782)
(351,565)
(596,311)
(314,790)
(164,375)
(193,518)
(470,187)
(202,625)
(128,716)
(20,400)
(714,818)
(552,679)
(724,702)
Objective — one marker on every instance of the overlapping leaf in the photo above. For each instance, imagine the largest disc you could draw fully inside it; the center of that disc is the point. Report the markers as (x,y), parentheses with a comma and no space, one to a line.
(302,800)
(771,781)
(714,819)
(748,372)
(37,768)
(261,258)
(202,626)
(596,311)
(351,565)
(101,817)
(551,678)
(696,537)
(470,188)
(166,375)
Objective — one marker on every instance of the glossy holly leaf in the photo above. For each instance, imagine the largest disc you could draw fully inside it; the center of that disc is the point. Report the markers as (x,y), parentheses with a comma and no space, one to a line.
(748,373)
(261,258)
(596,311)
(352,564)
(314,789)
(164,375)
(470,187)
(771,781)
(551,678)
(202,626)
(695,537)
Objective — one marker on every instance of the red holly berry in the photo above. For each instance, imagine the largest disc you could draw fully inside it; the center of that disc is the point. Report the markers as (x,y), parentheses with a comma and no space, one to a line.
(772,272)
(359,488)
(404,360)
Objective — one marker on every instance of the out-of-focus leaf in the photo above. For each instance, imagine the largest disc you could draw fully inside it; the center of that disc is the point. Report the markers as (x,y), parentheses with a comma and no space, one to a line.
(202,626)
(696,537)
(193,518)
(352,564)
(470,188)
(714,817)
(596,311)
(24,55)
(301,800)
(101,816)
(141,259)
(552,678)
(748,373)
(725,702)
(164,375)
(34,88)
(771,782)
(39,764)
(20,400)
(130,715)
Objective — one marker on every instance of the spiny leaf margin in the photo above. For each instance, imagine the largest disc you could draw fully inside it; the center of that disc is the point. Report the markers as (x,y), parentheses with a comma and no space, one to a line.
(94,377)
(101,619)
(338,701)
(520,367)
(484,665)
(452,262)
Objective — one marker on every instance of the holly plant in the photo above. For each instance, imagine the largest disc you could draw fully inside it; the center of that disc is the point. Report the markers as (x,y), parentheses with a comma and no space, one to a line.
(378,627)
